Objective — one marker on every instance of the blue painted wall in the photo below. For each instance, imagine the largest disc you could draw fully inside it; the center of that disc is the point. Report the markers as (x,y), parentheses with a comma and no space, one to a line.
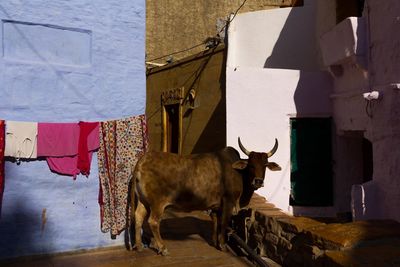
(64,61)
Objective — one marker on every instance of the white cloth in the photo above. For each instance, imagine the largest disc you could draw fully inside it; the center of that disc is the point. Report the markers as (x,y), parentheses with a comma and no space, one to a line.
(21,140)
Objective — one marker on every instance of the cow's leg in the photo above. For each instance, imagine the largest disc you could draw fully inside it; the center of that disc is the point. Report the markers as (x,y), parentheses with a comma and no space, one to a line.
(154,223)
(215,220)
(226,216)
(140,214)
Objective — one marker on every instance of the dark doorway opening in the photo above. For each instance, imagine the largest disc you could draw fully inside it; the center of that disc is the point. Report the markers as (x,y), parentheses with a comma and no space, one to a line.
(172,114)
(368,162)
(311,162)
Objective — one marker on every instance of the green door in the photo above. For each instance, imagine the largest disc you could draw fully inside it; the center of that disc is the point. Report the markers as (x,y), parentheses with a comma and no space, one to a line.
(311,162)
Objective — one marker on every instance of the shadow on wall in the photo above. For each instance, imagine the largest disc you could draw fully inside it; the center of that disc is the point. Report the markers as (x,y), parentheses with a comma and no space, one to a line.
(213,137)
(21,231)
(296,48)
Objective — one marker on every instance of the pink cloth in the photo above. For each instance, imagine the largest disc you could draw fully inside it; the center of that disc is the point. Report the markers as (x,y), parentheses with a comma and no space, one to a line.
(66,165)
(59,143)
(62,139)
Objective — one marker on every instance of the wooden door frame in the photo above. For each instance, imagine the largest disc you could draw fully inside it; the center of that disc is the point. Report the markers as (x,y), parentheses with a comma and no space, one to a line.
(171,97)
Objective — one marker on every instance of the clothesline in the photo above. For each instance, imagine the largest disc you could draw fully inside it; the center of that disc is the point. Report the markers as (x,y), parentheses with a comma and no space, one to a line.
(68,149)
(66,146)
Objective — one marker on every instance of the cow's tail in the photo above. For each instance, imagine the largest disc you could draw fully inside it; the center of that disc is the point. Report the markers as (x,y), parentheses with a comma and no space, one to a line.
(131,207)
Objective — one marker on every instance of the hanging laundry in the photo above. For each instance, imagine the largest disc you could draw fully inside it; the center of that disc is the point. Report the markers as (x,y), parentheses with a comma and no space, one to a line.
(60,143)
(57,139)
(2,145)
(121,144)
(84,159)
(21,140)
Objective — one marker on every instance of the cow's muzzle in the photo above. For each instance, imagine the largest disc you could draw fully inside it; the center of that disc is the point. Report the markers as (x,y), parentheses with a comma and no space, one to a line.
(258,182)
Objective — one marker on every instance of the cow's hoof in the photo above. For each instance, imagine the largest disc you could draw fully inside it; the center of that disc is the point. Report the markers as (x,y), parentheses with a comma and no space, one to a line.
(163,252)
(214,242)
(139,247)
(223,247)
(220,246)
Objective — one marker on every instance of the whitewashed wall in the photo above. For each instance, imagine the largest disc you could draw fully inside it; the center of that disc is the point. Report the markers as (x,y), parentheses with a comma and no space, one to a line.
(277,38)
(272,75)
(260,103)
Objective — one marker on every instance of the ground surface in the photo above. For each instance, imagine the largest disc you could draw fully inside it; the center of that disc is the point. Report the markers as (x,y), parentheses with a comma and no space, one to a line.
(187,237)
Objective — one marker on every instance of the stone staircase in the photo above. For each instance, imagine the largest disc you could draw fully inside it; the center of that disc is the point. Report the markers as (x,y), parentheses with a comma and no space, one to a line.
(301,241)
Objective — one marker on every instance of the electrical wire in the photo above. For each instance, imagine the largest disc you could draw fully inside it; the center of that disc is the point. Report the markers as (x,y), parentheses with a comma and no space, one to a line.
(177,52)
(233,16)
(202,43)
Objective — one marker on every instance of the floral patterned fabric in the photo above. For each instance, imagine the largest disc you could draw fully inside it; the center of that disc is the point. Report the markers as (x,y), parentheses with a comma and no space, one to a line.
(121,144)
(2,144)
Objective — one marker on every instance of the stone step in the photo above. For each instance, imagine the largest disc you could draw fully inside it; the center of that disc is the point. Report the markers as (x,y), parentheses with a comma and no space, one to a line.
(302,241)
(375,254)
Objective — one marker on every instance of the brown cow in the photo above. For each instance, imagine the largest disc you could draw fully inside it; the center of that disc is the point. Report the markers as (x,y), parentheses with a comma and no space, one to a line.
(220,182)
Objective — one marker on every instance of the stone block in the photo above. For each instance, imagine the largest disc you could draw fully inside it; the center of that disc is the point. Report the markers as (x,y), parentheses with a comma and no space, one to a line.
(383,253)
(271,238)
(306,255)
(287,235)
(297,224)
(284,244)
(272,252)
(300,241)
(273,226)
(335,236)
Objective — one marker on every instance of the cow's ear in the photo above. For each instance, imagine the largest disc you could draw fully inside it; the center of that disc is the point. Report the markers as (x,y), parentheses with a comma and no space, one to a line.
(273,166)
(240,164)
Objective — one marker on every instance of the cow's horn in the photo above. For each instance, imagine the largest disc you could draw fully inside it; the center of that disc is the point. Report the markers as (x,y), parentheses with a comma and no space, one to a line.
(245,151)
(273,150)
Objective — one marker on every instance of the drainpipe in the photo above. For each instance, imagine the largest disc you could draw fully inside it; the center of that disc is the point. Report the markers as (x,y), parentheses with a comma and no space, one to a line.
(251,254)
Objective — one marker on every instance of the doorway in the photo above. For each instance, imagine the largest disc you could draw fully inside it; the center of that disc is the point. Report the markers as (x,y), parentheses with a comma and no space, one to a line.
(172,128)
(311,162)
(171,103)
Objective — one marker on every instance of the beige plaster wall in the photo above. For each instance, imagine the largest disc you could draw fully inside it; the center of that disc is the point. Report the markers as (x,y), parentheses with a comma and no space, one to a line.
(175,25)
(203,127)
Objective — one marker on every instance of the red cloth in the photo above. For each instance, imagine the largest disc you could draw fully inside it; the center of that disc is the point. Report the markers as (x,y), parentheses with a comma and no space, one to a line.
(64,146)
(2,147)
(83,152)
